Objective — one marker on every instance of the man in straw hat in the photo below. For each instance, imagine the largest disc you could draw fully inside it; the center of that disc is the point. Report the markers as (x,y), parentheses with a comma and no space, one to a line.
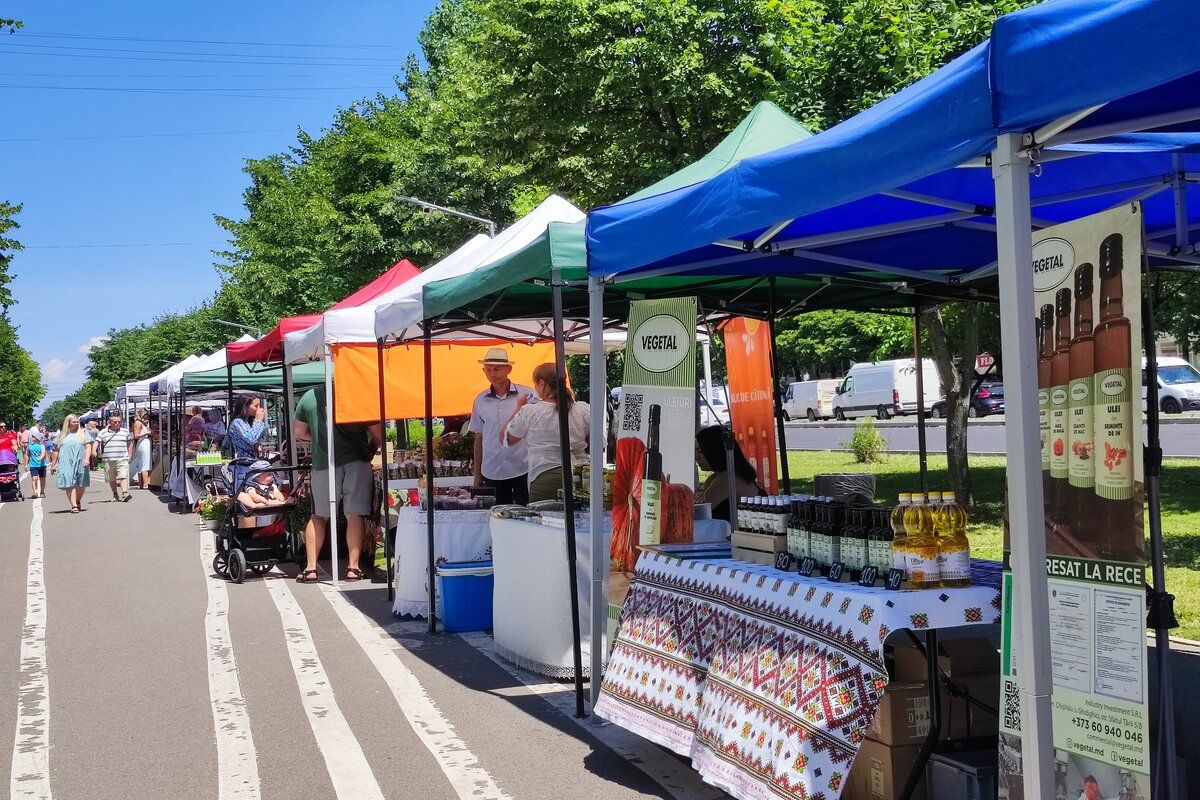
(503,468)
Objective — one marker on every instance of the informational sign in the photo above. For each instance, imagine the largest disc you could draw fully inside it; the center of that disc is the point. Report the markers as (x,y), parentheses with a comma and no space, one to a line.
(1087,286)
(751,397)
(655,452)
(984,362)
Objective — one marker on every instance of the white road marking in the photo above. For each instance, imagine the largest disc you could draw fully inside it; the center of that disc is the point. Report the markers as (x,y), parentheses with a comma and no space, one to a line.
(237,760)
(348,768)
(30,775)
(665,769)
(459,764)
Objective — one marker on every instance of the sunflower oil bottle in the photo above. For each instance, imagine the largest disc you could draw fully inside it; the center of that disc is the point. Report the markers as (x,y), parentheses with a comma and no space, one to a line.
(921,547)
(954,551)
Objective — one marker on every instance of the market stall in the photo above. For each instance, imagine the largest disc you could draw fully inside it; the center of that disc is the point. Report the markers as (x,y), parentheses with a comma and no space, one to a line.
(459,536)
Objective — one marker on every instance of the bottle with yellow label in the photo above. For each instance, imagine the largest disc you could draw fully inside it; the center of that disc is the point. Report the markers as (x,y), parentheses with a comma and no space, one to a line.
(899,538)
(921,547)
(954,551)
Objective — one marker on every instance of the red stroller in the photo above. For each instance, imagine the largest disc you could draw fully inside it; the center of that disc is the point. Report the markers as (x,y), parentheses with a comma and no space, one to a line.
(10,478)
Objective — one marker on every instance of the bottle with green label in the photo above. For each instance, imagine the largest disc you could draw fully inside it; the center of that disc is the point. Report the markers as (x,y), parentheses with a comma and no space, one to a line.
(650,515)
(1081,455)
(1060,377)
(1120,537)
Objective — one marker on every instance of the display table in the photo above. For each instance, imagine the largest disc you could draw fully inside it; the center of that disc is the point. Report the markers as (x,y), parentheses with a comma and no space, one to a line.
(457,536)
(765,679)
(531,606)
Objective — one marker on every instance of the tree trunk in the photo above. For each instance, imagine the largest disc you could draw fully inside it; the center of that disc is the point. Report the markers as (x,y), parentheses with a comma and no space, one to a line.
(958,380)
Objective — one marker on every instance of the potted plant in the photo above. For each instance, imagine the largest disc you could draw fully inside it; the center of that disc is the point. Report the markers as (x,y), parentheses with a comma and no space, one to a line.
(212,510)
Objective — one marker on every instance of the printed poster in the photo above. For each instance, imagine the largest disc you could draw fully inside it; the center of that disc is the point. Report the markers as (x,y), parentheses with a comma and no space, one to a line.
(751,396)
(655,474)
(1087,286)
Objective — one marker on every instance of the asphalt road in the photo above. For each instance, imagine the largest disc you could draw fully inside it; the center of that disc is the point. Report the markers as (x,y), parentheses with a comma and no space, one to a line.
(1181,438)
(133,672)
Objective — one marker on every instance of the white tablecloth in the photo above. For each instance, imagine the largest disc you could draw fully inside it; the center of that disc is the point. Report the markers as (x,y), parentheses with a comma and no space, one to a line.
(457,536)
(531,607)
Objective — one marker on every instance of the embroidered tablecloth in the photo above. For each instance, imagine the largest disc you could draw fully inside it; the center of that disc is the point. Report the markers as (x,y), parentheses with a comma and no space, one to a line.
(765,679)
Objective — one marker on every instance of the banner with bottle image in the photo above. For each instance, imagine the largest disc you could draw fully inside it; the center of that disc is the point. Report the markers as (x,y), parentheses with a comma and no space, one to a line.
(1088,288)
(656,453)
(751,395)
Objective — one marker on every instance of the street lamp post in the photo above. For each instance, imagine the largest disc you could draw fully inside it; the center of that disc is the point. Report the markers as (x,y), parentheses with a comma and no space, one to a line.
(256,331)
(430,207)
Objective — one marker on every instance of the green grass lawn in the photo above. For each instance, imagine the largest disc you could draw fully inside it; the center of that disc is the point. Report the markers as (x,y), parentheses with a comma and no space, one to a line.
(898,473)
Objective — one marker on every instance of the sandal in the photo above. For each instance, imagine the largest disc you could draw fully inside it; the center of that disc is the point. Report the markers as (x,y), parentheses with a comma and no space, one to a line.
(74,509)
(353,574)
(304,576)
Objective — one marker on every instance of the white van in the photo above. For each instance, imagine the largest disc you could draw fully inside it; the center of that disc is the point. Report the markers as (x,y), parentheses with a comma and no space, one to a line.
(810,399)
(1178,385)
(884,388)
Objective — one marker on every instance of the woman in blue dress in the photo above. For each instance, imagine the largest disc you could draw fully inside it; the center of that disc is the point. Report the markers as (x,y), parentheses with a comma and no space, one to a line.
(72,455)
(246,429)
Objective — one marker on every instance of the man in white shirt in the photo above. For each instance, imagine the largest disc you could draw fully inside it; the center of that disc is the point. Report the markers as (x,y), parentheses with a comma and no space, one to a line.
(503,468)
(116,446)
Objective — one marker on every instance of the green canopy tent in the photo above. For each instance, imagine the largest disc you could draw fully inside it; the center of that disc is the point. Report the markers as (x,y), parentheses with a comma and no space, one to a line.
(252,377)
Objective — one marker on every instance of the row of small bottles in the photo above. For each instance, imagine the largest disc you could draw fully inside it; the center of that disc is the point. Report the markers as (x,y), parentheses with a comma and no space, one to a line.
(924,535)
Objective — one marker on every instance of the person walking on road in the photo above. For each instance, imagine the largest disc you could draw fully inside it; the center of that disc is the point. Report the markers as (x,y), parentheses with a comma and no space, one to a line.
(72,454)
(22,443)
(140,465)
(8,439)
(354,445)
(116,446)
(505,469)
(36,457)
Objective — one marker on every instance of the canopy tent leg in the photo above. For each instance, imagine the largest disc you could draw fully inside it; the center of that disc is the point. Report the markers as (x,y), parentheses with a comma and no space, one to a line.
(387,515)
(228,397)
(922,449)
(564,440)
(785,483)
(598,390)
(331,526)
(1014,247)
(432,614)
(1161,616)
(290,399)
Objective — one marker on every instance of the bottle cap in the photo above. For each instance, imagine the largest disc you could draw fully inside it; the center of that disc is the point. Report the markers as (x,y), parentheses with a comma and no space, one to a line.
(948,497)
(934,497)
(905,497)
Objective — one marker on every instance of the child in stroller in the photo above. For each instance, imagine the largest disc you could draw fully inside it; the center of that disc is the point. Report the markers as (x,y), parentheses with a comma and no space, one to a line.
(10,477)
(254,537)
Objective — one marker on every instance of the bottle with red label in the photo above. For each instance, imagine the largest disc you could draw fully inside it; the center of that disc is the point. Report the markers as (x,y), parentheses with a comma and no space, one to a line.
(1081,479)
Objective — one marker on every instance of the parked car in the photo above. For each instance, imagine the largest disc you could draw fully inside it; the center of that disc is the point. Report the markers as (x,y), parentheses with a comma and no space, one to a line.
(1178,385)
(718,413)
(811,400)
(885,388)
(987,399)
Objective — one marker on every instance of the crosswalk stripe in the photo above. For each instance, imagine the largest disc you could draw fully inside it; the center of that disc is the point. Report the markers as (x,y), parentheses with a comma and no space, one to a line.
(30,775)
(458,763)
(237,759)
(348,768)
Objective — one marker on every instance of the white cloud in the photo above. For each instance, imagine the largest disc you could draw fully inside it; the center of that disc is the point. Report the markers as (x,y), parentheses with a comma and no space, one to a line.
(95,341)
(55,369)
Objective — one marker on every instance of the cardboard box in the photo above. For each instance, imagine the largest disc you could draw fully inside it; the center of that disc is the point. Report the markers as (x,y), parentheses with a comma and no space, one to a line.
(976,655)
(757,548)
(879,772)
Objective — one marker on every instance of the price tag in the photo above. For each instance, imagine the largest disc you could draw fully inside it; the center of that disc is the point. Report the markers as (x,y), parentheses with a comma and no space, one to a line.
(807,565)
(868,577)
(837,572)
(783,561)
(895,578)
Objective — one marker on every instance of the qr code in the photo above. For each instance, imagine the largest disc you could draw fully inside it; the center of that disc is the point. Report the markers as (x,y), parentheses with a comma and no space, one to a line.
(1012,706)
(632,419)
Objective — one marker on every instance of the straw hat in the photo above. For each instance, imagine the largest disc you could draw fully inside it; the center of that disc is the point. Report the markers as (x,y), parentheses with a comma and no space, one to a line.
(497,357)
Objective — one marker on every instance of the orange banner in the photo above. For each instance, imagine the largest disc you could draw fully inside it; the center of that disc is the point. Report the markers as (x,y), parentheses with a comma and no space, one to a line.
(457,377)
(751,397)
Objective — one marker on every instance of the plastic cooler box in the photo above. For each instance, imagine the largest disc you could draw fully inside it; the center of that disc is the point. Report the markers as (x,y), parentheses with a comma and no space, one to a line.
(466,589)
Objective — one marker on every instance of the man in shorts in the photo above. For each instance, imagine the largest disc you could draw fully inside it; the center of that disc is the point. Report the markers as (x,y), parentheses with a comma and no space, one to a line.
(354,445)
(116,446)
(37,457)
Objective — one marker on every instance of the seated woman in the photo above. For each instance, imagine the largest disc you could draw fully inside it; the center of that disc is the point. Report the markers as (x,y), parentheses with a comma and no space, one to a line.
(711,457)
(260,494)
(537,426)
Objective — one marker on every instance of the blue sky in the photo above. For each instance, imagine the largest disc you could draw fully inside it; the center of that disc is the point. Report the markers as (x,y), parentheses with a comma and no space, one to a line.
(96,168)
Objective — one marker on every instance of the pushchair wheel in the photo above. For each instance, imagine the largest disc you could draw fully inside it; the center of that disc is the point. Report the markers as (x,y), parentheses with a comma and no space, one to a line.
(219,564)
(237,566)
(262,569)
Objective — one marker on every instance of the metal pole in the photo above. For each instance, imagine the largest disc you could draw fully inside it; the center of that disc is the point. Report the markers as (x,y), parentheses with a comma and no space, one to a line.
(598,381)
(331,527)
(1162,614)
(432,614)
(1014,248)
(228,395)
(290,390)
(564,441)
(383,478)
(922,449)
(785,484)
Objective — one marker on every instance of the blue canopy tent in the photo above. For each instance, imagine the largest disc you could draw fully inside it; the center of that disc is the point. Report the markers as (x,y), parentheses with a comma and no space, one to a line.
(1068,108)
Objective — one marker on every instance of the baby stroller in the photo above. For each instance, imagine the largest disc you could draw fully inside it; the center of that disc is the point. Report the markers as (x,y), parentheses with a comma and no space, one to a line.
(10,478)
(265,541)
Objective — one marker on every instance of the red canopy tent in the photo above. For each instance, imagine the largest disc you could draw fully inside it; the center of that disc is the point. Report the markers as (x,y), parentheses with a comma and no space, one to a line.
(269,349)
